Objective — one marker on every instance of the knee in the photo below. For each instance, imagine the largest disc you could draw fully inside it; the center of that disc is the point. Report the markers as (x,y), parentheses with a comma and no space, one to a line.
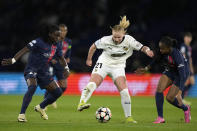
(91,86)
(160,89)
(63,87)
(170,98)
(125,93)
(62,84)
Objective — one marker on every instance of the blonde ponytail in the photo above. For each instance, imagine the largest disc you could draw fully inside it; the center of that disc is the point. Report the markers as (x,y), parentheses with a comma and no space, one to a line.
(123,25)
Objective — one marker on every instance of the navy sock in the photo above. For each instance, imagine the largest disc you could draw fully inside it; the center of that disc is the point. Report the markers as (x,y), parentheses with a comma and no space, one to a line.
(51,97)
(159,103)
(176,103)
(27,98)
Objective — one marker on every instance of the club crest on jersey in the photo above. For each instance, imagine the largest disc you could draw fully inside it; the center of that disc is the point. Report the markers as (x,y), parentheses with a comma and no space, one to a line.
(125,48)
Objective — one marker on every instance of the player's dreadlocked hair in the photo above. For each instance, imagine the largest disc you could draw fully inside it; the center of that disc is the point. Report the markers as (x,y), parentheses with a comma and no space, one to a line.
(123,25)
(169,42)
(46,29)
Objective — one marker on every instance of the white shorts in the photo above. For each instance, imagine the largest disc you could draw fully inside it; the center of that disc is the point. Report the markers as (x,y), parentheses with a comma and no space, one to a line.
(112,72)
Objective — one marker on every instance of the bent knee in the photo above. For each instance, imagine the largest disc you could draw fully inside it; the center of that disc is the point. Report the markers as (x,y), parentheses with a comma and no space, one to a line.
(170,98)
(90,86)
(160,89)
(58,91)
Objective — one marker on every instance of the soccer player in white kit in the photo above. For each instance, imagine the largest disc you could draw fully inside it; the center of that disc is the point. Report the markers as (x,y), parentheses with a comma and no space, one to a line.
(116,49)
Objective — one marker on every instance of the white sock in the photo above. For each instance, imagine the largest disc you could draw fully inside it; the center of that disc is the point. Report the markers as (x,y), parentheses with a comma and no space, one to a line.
(87,91)
(126,102)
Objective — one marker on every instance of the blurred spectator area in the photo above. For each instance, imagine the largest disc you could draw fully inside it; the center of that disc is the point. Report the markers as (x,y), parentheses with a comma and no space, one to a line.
(89,20)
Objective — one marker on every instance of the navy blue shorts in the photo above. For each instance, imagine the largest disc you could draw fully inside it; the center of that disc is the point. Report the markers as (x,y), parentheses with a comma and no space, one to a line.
(43,77)
(175,78)
(58,71)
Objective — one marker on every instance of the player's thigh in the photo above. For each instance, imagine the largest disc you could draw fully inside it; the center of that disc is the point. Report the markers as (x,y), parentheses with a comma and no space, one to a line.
(118,76)
(31,82)
(164,82)
(121,83)
(173,92)
(98,73)
(97,78)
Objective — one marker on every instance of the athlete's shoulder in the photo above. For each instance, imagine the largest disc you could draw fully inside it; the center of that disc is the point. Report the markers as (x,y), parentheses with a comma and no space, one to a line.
(39,41)
(129,37)
(106,38)
(34,43)
(68,40)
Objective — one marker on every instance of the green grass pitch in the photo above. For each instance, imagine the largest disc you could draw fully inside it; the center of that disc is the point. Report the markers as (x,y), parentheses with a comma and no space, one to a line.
(67,118)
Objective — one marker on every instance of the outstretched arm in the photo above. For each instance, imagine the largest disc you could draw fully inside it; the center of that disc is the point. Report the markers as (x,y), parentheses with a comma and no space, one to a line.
(11,61)
(147,51)
(156,59)
(90,54)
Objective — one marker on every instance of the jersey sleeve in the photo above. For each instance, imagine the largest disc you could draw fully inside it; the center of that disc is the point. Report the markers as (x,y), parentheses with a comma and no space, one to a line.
(33,45)
(100,44)
(179,61)
(59,50)
(136,45)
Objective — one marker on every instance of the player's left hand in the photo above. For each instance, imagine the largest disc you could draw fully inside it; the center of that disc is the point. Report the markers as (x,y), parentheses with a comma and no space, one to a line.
(150,53)
(6,62)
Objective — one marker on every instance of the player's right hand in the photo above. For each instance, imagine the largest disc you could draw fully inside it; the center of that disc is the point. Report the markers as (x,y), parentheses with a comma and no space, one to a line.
(89,62)
(140,71)
(5,62)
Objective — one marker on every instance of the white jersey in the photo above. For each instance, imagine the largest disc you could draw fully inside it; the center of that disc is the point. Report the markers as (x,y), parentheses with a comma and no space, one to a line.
(115,55)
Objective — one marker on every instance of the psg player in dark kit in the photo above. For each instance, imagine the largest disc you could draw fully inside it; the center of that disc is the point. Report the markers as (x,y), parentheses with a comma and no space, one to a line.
(175,74)
(36,72)
(55,67)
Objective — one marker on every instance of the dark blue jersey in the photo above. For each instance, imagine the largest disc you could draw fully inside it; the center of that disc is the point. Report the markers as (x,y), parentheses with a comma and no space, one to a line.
(66,51)
(186,50)
(174,62)
(41,54)
(66,47)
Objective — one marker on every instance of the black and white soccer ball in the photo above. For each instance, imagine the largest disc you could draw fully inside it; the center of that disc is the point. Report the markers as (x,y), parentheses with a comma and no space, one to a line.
(103,114)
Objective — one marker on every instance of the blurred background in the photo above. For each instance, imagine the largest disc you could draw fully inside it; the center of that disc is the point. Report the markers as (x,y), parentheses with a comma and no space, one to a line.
(89,20)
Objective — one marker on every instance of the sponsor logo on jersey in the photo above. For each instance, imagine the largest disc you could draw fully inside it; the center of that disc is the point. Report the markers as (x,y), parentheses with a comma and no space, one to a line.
(125,48)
